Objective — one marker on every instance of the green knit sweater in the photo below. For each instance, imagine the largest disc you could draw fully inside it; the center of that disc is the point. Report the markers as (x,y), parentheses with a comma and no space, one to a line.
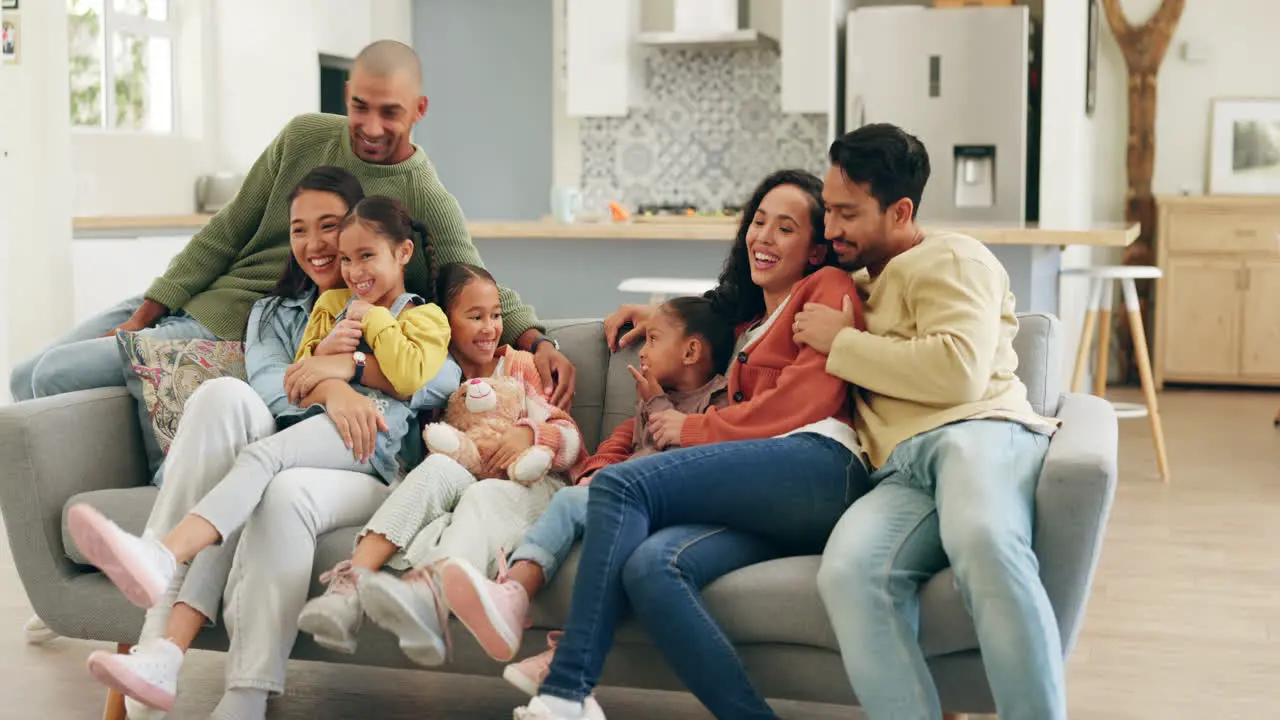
(239,255)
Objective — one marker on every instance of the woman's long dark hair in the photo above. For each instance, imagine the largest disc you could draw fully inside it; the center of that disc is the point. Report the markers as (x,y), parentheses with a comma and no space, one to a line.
(294,281)
(736,298)
(389,218)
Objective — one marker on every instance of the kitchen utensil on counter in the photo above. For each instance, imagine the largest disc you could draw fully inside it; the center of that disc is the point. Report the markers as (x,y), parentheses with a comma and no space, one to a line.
(214,191)
(566,204)
(618,212)
(668,214)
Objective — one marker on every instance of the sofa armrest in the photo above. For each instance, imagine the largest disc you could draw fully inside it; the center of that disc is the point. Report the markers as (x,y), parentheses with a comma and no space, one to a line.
(1073,500)
(51,449)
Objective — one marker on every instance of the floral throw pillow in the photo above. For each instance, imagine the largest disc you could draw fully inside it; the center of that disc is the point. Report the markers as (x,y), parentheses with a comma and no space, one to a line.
(169,371)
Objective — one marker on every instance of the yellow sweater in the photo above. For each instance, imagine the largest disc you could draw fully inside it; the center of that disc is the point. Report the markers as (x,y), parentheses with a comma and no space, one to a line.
(410,349)
(938,346)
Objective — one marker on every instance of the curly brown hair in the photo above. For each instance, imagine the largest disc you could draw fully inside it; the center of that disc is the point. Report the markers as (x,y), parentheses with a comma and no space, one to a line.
(737,298)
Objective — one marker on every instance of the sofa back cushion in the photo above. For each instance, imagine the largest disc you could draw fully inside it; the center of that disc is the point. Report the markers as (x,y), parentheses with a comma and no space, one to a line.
(1039,348)
(582,341)
(605,394)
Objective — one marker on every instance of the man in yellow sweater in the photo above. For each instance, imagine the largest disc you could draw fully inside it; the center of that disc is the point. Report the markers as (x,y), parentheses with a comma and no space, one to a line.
(237,257)
(953,444)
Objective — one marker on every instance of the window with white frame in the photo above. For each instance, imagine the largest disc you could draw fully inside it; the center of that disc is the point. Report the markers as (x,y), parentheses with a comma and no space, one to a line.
(121,64)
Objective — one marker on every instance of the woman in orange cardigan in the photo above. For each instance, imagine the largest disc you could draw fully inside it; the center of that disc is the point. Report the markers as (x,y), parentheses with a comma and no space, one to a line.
(765,477)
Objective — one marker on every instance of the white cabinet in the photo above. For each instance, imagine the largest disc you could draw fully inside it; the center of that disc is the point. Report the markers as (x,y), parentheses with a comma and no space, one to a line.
(808,42)
(603,70)
(105,271)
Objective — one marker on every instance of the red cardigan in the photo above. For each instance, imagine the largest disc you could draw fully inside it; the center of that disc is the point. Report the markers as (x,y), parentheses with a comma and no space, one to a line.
(775,386)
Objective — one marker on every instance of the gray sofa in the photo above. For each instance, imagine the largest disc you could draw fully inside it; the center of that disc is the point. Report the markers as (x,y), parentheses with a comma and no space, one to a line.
(87,447)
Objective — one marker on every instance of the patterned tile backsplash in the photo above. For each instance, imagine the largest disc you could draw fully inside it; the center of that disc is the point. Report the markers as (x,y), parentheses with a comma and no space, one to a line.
(710,128)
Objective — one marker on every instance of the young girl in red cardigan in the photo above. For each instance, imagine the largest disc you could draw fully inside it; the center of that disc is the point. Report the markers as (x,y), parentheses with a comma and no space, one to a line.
(765,477)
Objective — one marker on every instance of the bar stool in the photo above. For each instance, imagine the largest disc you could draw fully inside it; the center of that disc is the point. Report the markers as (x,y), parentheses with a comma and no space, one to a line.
(659,288)
(1101,292)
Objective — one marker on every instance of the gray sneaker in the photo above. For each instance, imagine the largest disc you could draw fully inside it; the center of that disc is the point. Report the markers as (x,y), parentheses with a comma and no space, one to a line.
(412,609)
(333,619)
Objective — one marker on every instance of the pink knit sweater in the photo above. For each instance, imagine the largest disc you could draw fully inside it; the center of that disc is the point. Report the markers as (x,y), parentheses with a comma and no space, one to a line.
(552,427)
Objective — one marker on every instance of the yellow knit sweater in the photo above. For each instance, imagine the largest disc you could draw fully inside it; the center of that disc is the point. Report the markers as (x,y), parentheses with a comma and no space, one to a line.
(938,346)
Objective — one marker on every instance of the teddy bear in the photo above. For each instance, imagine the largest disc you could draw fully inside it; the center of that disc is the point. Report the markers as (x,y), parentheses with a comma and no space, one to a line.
(482,410)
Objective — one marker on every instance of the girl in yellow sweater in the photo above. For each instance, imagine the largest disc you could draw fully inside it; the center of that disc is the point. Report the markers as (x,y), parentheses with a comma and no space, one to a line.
(408,336)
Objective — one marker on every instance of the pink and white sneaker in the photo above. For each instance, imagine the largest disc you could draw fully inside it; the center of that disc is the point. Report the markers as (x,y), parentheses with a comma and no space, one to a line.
(148,674)
(411,608)
(333,619)
(528,674)
(496,613)
(140,566)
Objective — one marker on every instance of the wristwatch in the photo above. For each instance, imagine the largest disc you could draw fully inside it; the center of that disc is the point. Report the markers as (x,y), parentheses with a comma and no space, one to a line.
(541,339)
(360,358)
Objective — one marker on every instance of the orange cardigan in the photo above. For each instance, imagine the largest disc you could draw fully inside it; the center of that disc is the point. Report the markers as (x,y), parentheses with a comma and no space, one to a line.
(776,387)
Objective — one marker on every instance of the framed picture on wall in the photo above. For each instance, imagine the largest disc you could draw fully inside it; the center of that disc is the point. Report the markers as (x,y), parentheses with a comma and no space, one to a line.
(1091,67)
(1244,147)
(8,4)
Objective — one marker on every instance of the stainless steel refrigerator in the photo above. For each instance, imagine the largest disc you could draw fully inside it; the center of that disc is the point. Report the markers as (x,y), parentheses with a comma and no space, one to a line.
(957,79)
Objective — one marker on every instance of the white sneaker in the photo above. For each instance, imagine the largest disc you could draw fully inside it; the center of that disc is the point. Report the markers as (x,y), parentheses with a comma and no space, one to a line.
(36,632)
(148,674)
(333,619)
(537,710)
(412,609)
(134,710)
(140,566)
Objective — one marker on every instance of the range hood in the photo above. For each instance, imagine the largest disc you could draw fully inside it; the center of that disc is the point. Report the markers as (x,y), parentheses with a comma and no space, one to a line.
(711,23)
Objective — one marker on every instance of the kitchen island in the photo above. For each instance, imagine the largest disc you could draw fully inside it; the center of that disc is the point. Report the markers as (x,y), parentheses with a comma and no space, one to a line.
(574,270)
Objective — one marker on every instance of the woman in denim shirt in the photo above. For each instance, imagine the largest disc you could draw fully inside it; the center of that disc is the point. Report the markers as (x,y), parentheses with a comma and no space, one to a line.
(266,585)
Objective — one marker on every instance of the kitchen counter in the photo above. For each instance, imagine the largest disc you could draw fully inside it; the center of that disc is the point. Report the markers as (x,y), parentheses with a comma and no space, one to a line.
(194,221)
(721,229)
(662,228)
(574,270)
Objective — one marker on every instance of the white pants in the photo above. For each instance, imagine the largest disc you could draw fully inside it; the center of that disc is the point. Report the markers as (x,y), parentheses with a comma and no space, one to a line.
(491,517)
(272,575)
(428,493)
(312,443)
(273,565)
(222,417)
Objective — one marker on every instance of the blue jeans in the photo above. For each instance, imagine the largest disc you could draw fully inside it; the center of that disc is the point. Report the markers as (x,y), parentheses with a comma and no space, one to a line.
(962,494)
(664,579)
(548,542)
(22,379)
(788,491)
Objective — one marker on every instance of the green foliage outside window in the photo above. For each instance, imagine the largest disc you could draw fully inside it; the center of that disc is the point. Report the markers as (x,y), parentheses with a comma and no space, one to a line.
(88,52)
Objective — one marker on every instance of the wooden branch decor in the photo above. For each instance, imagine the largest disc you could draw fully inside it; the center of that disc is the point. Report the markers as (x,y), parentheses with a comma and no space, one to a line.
(1144,48)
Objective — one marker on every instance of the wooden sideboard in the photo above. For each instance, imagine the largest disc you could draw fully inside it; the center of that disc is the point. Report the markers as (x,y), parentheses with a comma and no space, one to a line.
(1218,306)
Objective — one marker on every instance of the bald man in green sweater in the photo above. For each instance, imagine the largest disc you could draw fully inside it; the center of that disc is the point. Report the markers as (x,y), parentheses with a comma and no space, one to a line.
(238,256)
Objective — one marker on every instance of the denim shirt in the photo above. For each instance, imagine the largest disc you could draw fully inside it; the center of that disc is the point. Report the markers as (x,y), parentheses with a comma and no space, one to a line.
(270,348)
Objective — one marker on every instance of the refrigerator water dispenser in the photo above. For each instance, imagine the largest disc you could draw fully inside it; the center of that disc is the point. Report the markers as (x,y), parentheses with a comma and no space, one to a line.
(975,176)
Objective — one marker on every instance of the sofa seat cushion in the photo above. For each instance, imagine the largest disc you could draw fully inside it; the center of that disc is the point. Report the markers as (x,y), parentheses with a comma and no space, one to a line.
(127,507)
(773,602)
(778,602)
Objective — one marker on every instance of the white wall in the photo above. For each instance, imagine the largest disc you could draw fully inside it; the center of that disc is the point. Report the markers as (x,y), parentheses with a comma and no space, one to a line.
(1066,151)
(245,68)
(566,150)
(1239,39)
(268,72)
(35,171)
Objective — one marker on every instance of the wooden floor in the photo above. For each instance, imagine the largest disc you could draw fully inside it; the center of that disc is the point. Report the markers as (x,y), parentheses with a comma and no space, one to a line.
(1184,621)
